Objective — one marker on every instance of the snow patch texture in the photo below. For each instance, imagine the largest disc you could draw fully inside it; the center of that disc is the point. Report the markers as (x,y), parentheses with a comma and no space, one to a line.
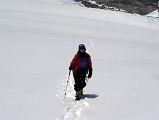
(154,14)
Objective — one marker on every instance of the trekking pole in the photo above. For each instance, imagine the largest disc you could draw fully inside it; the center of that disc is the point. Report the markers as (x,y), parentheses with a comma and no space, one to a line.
(67,83)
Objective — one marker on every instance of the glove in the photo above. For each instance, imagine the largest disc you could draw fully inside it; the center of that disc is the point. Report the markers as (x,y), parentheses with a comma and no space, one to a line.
(70,68)
(90,75)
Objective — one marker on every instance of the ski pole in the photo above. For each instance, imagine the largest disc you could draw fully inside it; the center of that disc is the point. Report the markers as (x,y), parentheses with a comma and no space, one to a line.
(67,83)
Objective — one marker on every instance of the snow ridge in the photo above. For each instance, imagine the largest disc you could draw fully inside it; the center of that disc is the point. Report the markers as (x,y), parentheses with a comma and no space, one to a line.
(69,2)
(154,14)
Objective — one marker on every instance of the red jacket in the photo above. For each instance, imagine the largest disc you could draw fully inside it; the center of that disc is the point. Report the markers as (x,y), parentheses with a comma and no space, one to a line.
(75,64)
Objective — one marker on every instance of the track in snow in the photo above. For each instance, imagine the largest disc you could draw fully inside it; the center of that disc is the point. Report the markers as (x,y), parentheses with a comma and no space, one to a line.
(74,109)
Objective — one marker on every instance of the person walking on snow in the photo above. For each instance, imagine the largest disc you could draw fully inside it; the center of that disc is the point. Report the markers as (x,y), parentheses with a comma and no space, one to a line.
(81,65)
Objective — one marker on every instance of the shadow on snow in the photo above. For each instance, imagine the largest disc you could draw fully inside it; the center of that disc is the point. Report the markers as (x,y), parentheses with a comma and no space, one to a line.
(90,96)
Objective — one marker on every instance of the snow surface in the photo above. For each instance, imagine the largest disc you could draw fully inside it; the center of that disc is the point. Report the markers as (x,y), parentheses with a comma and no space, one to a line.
(38,39)
(154,14)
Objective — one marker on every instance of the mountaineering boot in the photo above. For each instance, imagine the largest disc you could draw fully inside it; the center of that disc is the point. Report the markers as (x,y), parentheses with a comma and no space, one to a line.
(82,95)
(82,92)
(79,94)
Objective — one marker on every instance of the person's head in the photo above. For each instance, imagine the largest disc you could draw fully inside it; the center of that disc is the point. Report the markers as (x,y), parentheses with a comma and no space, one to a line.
(82,48)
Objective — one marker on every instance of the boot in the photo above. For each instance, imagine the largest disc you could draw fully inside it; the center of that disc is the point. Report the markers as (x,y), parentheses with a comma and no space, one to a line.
(79,94)
(82,92)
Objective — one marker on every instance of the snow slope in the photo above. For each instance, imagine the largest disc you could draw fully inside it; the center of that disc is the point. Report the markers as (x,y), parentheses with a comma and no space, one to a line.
(38,39)
(154,14)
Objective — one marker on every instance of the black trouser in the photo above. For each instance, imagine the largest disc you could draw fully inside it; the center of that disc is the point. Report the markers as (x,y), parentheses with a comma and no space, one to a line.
(79,77)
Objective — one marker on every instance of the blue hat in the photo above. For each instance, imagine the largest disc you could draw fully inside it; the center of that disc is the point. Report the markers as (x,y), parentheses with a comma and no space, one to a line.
(81,46)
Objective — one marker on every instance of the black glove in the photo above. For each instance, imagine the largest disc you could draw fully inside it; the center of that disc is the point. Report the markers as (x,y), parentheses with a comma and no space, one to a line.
(70,68)
(90,74)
